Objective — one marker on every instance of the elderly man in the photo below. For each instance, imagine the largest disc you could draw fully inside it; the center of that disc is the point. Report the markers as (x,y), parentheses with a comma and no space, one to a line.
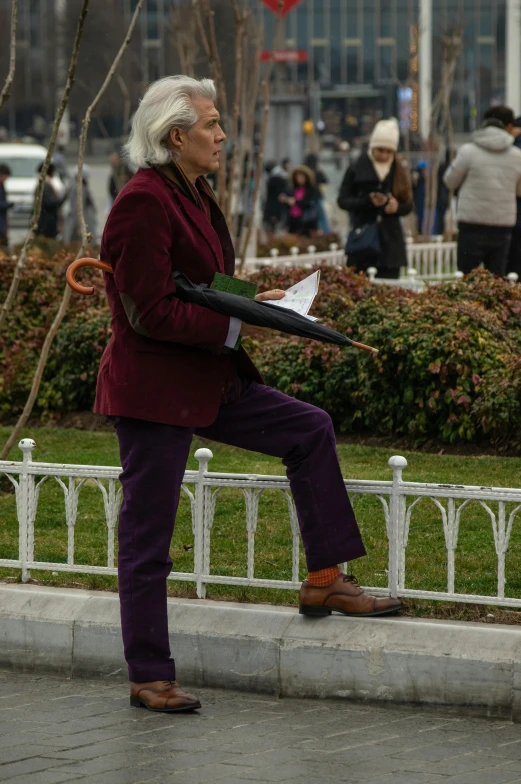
(170,370)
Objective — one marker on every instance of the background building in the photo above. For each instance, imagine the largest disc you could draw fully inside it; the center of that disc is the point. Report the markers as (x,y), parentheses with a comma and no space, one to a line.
(355,60)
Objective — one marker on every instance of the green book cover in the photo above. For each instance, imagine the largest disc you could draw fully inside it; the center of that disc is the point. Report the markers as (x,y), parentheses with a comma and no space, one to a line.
(242,288)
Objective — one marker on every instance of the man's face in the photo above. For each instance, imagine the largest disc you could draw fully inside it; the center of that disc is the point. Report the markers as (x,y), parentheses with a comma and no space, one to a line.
(200,147)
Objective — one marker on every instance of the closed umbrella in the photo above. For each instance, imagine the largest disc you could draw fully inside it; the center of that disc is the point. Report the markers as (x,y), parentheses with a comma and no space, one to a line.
(257,314)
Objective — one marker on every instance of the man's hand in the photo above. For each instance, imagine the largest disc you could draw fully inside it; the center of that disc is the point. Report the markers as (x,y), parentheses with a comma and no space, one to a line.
(274,294)
(247,331)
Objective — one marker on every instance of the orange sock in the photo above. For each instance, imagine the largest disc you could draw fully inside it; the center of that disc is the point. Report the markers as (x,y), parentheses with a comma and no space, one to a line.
(324,577)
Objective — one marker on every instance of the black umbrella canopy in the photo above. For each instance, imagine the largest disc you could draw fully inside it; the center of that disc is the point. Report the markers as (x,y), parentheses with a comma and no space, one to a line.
(257,314)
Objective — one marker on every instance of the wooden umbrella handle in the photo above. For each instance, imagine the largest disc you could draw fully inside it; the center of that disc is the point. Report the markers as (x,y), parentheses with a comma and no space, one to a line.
(364,347)
(76,265)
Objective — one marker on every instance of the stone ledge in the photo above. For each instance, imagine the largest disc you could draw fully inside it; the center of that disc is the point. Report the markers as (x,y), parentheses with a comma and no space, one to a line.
(274,650)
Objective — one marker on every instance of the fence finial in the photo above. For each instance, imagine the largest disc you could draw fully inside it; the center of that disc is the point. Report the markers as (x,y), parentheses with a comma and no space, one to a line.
(203,456)
(27,445)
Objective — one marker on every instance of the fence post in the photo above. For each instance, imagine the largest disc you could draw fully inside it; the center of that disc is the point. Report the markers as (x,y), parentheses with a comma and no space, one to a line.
(201,536)
(396,524)
(25,508)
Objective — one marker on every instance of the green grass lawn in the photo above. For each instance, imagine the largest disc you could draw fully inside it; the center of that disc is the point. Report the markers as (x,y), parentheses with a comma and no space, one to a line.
(426,555)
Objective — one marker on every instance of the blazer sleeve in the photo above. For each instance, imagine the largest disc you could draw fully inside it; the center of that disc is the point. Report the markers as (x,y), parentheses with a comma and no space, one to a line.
(138,238)
(348,198)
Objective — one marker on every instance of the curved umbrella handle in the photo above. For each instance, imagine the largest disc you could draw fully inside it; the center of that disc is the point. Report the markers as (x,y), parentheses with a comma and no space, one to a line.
(76,265)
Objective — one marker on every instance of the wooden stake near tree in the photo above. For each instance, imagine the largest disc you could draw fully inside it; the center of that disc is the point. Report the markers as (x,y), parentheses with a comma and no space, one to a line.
(29,240)
(440,123)
(66,298)
(6,90)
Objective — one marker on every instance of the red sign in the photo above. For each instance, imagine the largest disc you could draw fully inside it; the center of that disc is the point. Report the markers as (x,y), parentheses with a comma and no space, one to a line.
(288,6)
(286,56)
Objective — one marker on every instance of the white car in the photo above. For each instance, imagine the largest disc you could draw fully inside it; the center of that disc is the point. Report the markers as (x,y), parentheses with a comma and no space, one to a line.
(23,161)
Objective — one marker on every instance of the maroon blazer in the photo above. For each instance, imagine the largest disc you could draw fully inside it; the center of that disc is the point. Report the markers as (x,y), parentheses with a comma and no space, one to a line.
(165,361)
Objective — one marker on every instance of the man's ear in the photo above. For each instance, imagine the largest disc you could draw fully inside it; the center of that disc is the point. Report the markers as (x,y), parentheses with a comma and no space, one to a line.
(175,138)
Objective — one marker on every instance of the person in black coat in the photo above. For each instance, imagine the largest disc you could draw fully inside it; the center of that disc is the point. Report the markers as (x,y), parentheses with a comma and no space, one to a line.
(377,188)
(5,205)
(51,203)
(275,210)
(302,198)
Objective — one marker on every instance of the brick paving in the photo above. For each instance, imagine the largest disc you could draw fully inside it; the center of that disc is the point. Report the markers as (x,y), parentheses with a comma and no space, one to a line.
(55,730)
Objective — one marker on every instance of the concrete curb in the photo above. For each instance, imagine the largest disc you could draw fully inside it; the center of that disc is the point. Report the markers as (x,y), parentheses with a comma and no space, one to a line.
(274,650)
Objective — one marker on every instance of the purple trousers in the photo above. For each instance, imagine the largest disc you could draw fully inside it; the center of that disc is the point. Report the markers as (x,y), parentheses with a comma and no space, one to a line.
(154,458)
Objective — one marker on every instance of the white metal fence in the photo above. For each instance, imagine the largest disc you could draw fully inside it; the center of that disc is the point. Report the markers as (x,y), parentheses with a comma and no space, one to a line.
(397,497)
(431,261)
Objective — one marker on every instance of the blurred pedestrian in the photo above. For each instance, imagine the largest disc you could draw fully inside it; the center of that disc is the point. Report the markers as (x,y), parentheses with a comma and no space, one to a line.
(5,205)
(313,163)
(60,164)
(514,255)
(275,210)
(120,174)
(377,192)
(487,172)
(302,198)
(72,231)
(419,180)
(51,203)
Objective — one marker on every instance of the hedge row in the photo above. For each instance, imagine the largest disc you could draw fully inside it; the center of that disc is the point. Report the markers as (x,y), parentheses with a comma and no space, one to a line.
(449,366)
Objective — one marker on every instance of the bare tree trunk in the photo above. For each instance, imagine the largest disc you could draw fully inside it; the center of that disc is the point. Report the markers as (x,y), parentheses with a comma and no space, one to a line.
(215,59)
(183,26)
(20,264)
(6,91)
(452,46)
(66,298)
(264,133)
(240,22)
(127,104)
(249,98)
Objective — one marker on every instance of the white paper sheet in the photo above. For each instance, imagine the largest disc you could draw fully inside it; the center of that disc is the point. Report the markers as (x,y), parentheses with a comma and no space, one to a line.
(300,297)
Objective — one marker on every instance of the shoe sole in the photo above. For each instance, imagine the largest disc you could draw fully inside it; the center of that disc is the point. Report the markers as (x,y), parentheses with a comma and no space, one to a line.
(320,612)
(135,702)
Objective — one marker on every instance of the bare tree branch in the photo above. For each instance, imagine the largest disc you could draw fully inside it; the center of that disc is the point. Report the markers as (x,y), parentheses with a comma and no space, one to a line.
(6,91)
(66,298)
(264,133)
(20,264)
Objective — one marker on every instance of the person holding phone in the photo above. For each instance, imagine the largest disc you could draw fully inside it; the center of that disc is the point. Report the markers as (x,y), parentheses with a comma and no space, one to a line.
(377,189)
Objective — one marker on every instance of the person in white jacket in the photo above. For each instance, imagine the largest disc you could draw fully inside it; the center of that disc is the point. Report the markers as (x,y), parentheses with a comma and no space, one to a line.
(487,175)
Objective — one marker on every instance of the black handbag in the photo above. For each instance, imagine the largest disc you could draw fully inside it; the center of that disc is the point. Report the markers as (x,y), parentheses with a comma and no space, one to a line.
(365,240)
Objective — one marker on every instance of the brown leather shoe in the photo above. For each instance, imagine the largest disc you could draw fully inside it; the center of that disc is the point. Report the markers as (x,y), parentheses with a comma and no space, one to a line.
(162,697)
(343,596)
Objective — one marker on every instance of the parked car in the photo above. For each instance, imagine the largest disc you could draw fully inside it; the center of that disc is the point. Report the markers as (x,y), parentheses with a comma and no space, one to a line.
(23,161)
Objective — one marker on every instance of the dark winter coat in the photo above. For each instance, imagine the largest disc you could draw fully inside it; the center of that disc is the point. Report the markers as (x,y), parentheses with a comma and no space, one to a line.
(308,220)
(274,210)
(51,203)
(517,143)
(359,181)
(4,206)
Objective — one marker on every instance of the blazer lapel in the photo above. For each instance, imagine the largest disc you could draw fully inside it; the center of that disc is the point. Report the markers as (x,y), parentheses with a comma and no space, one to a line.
(195,215)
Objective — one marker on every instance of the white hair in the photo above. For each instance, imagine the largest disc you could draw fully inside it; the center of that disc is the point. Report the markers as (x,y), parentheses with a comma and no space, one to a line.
(166,104)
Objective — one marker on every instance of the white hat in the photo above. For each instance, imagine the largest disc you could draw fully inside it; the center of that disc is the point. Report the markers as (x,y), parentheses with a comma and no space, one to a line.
(386,134)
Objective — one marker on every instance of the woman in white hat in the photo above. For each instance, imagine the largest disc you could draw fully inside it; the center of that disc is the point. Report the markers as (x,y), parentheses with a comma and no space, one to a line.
(377,192)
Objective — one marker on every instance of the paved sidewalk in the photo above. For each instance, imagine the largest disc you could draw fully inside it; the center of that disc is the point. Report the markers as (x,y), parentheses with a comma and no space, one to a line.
(54,730)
